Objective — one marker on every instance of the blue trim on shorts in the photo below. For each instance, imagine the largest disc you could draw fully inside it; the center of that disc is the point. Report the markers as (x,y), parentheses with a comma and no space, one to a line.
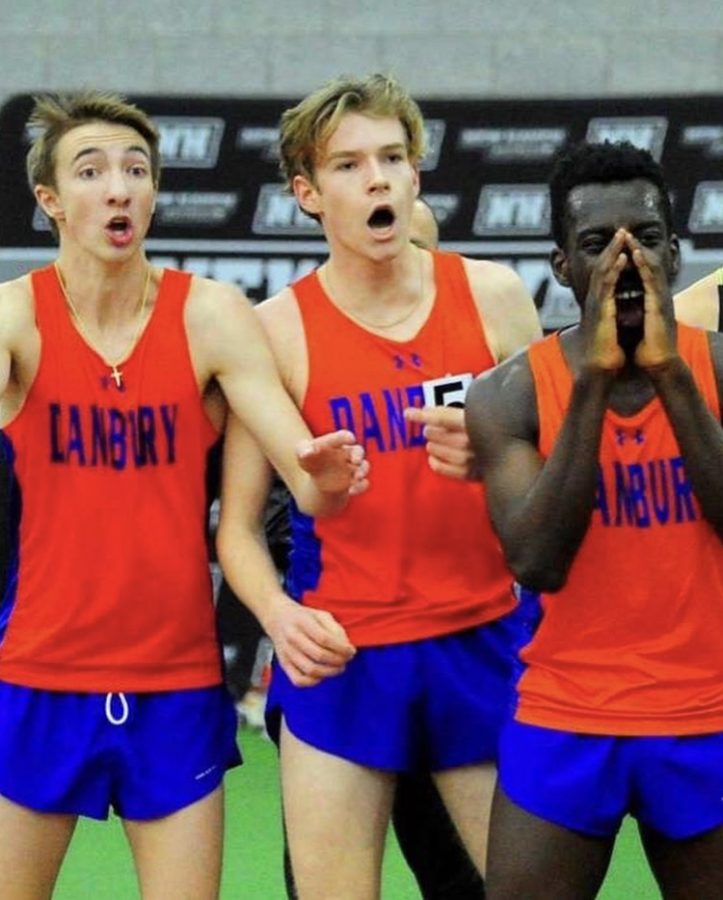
(588,783)
(144,755)
(425,705)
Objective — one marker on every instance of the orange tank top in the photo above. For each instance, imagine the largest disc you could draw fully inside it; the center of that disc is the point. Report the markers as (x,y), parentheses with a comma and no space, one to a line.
(112,589)
(415,556)
(632,645)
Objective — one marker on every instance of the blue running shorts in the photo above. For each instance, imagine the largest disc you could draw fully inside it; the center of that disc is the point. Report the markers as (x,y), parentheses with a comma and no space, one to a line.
(425,705)
(144,755)
(588,782)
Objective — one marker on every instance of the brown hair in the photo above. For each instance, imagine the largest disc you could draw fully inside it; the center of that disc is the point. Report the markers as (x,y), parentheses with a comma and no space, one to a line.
(306,128)
(55,115)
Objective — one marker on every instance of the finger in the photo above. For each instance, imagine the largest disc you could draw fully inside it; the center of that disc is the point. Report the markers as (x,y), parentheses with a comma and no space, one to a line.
(458,456)
(355,453)
(449,470)
(332,441)
(358,487)
(448,417)
(332,630)
(445,436)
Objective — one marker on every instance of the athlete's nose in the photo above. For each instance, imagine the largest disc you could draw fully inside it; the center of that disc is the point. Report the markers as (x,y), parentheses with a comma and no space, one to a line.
(377,177)
(118,192)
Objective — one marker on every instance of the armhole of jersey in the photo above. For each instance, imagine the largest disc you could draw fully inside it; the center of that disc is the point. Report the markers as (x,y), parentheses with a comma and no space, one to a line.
(451,267)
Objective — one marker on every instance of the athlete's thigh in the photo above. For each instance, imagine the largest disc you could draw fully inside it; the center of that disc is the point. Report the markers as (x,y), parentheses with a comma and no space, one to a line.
(32,847)
(689,869)
(179,855)
(431,843)
(467,793)
(337,813)
(530,858)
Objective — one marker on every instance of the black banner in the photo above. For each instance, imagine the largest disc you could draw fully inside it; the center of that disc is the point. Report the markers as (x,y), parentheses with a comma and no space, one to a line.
(222,210)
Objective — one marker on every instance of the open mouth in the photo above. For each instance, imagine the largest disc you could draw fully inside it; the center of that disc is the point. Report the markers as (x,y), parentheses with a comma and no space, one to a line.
(629,304)
(120,230)
(381,219)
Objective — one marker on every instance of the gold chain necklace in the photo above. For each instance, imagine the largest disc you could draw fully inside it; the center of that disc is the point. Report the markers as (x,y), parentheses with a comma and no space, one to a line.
(381,326)
(115,373)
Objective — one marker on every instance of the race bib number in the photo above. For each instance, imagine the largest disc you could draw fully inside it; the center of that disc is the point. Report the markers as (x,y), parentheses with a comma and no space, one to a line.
(447,391)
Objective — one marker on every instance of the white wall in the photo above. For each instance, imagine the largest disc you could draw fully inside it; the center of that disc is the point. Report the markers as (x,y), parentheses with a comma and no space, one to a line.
(467,48)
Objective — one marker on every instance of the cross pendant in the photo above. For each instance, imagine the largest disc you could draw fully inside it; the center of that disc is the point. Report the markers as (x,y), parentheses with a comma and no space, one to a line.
(116,375)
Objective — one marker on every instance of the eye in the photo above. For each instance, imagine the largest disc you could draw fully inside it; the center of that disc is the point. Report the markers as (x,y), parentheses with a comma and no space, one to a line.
(345,165)
(593,246)
(87,172)
(138,169)
(395,157)
(650,238)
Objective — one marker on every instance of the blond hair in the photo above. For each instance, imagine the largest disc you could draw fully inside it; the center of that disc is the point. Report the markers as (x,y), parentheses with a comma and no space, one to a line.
(306,128)
(55,115)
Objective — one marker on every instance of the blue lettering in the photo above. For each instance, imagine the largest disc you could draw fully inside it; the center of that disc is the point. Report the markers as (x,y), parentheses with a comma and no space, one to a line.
(75,435)
(638,499)
(147,434)
(168,420)
(395,417)
(371,429)
(342,415)
(600,500)
(623,501)
(683,492)
(117,438)
(657,471)
(99,438)
(56,454)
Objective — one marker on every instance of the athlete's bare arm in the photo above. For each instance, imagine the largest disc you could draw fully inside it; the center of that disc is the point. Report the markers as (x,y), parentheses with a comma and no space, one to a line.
(510,322)
(228,344)
(19,346)
(699,303)
(310,645)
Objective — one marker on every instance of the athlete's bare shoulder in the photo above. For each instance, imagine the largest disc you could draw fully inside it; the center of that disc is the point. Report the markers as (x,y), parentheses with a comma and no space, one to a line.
(207,297)
(698,304)
(281,319)
(17,309)
(506,307)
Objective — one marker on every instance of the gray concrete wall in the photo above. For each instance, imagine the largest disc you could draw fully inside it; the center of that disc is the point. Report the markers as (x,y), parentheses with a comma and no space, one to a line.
(463,48)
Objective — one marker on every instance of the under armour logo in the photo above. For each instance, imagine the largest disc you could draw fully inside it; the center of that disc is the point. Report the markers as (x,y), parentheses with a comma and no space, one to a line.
(107,381)
(622,436)
(414,358)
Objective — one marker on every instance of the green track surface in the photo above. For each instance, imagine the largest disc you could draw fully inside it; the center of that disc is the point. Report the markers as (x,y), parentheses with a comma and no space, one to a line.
(98,866)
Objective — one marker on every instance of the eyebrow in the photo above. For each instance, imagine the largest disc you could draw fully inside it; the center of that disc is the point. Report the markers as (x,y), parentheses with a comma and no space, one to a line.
(89,151)
(342,153)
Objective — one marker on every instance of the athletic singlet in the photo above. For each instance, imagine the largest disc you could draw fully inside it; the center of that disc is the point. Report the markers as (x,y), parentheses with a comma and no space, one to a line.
(112,589)
(415,556)
(633,644)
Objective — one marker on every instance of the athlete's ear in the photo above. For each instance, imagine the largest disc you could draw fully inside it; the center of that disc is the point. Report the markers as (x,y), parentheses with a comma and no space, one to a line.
(560,266)
(49,202)
(674,256)
(417,185)
(307,195)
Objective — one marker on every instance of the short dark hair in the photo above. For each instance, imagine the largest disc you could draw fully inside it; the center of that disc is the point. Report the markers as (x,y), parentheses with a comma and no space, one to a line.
(601,163)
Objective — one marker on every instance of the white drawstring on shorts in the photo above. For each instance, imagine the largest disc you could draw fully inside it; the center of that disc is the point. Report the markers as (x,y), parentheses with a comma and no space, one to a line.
(109,708)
